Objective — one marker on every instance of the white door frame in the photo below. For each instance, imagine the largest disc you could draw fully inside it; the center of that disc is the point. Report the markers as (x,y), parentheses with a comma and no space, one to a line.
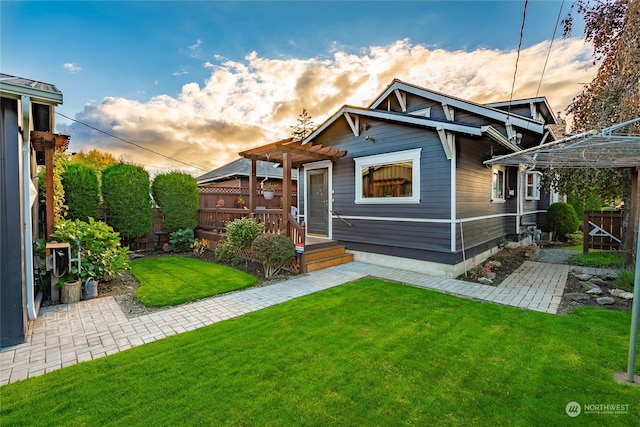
(324,164)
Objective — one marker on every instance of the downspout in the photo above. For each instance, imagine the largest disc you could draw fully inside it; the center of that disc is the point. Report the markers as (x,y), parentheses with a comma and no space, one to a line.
(26,201)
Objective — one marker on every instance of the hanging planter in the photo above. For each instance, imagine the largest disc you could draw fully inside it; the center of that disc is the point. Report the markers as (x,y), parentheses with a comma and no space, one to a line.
(268,191)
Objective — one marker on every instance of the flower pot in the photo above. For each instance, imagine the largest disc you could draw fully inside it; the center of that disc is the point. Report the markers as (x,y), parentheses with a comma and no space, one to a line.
(268,194)
(70,292)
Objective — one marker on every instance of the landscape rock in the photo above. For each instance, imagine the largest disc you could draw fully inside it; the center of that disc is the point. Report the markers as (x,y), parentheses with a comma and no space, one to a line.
(583,276)
(605,301)
(597,281)
(587,285)
(577,296)
(621,293)
(485,281)
(594,291)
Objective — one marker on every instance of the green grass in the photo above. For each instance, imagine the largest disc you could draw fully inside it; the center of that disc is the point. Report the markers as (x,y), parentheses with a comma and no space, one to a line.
(597,259)
(169,281)
(366,353)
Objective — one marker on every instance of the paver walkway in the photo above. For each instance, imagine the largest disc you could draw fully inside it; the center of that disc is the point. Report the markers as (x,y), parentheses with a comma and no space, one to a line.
(63,335)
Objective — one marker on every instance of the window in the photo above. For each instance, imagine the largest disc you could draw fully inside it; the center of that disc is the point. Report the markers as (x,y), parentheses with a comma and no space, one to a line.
(388,178)
(497,184)
(532,186)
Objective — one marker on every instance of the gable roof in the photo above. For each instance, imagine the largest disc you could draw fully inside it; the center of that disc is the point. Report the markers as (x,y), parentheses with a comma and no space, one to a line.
(241,168)
(487,111)
(32,88)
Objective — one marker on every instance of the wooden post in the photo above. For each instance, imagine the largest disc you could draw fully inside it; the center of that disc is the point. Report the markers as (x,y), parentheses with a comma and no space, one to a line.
(253,184)
(286,189)
(49,146)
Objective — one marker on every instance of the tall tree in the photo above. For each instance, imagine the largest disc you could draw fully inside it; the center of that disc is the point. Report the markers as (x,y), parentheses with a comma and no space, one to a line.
(303,127)
(612,97)
(95,158)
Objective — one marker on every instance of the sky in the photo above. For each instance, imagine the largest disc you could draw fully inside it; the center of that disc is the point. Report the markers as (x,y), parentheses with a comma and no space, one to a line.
(187,85)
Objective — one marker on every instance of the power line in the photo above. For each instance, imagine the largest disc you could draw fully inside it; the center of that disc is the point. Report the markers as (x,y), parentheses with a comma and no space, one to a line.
(131,143)
(550,46)
(513,84)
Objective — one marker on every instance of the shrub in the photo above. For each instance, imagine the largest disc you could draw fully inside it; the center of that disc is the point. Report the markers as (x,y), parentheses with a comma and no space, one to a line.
(224,252)
(177,195)
(101,255)
(241,232)
(200,246)
(273,251)
(626,280)
(82,192)
(181,240)
(125,189)
(562,219)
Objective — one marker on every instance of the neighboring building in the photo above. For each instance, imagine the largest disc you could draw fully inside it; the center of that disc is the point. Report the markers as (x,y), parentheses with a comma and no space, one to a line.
(412,190)
(26,106)
(236,174)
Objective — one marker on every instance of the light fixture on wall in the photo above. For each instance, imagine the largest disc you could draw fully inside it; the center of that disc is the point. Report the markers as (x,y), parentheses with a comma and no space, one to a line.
(369,138)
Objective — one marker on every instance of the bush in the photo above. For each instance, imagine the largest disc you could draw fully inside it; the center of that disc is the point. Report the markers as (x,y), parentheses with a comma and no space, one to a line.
(580,205)
(626,280)
(273,251)
(241,232)
(101,255)
(224,252)
(177,195)
(125,189)
(562,219)
(81,190)
(181,240)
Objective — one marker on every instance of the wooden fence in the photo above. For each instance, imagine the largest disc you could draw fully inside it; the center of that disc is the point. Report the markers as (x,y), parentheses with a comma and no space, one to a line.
(602,230)
(210,197)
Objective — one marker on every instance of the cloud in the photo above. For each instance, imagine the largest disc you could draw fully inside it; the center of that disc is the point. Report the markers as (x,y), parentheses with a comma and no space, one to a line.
(72,67)
(243,104)
(195,50)
(179,73)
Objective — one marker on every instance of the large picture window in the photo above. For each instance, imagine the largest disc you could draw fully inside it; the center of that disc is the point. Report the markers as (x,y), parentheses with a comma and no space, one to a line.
(388,178)
(497,184)
(532,185)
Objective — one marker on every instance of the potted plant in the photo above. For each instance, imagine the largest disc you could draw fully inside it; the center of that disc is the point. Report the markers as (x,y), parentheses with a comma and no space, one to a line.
(268,190)
(239,202)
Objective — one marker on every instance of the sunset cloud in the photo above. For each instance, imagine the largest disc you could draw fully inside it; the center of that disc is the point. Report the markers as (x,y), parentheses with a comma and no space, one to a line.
(243,104)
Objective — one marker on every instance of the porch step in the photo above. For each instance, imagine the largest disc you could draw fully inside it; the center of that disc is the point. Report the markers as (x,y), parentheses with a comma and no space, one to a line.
(325,255)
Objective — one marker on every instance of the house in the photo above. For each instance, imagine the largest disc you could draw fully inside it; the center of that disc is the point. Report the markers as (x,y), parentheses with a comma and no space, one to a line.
(236,174)
(27,122)
(403,181)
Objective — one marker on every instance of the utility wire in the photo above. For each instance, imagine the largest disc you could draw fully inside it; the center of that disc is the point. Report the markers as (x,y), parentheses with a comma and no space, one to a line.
(131,143)
(550,46)
(513,84)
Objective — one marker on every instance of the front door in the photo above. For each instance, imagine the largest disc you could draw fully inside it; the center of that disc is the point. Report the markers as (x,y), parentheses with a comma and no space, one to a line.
(318,202)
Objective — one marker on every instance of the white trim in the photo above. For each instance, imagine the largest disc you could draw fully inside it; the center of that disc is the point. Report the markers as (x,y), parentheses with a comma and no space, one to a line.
(323,164)
(495,173)
(536,185)
(387,158)
(436,220)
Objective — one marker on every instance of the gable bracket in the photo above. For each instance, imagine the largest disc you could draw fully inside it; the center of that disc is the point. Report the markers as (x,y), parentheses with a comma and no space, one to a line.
(402,99)
(448,111)
(447,139)
(354,125)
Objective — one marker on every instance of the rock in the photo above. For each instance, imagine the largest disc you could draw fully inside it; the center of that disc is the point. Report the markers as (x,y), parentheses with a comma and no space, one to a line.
(608,276)
(594,291)
(584,277)
(605,301)
(491,276)
(587,285)
(485,281)
(621,293)
(597,281)
(577,296)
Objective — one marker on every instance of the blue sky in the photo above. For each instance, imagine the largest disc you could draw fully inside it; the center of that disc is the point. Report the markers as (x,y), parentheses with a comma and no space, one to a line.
(244,70)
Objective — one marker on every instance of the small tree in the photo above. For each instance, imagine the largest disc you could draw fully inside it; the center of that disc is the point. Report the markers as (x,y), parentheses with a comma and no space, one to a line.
(273,251)
(82,192)
(243,231)
(125,189)
(303,127)
(562,219)
(177,195)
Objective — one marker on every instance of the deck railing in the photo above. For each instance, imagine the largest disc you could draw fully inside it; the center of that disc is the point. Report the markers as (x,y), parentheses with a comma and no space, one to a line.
(215,219)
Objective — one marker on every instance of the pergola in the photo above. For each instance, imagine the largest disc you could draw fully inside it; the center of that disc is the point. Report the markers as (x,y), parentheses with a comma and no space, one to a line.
(289,154)
(608,148)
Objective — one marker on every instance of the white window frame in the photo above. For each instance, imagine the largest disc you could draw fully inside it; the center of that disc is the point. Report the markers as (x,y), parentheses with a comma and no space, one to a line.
(384,159)
(535,187)
(496,170)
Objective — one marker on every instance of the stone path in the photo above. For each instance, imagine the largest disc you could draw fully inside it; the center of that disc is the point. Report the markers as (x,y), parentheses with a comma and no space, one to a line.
(63,335)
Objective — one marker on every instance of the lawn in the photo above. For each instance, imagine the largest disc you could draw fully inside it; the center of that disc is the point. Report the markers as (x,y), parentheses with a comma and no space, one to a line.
(169,281)
(367,353)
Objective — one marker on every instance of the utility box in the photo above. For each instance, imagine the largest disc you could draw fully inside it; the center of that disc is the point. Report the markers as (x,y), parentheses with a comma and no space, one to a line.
(58,262)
